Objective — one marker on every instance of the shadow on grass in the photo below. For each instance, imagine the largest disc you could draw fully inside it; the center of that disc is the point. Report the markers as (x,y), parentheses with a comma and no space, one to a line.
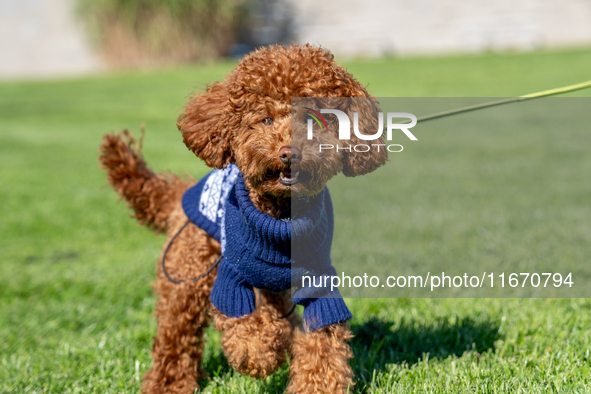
(217,366)
(379,342)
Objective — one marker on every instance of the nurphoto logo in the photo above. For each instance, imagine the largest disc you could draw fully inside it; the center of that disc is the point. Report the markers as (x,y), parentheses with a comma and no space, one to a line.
(345,129)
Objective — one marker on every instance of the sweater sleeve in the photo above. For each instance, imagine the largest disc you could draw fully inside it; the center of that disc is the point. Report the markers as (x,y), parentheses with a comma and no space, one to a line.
(322,312)
(231,294)
(323,306)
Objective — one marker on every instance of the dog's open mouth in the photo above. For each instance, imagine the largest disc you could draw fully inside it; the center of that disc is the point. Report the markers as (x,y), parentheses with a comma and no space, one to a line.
(287,177)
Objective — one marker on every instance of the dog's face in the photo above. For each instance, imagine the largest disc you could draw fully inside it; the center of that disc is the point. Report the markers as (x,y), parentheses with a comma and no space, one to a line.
(248,120)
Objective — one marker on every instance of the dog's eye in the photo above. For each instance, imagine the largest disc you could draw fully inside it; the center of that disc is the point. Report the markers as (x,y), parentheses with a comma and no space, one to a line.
(267,121)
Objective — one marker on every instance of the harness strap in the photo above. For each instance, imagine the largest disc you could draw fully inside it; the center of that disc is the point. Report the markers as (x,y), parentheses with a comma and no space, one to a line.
(206,272)
(166,251)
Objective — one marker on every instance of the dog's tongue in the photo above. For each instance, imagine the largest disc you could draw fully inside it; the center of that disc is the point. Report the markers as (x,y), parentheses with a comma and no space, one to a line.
(287,173)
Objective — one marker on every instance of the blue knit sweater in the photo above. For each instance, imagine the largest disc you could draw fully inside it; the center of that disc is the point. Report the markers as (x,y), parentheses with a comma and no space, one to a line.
(259,250)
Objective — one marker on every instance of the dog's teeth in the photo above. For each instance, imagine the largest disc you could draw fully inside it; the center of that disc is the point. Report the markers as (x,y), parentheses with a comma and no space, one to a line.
(291,179)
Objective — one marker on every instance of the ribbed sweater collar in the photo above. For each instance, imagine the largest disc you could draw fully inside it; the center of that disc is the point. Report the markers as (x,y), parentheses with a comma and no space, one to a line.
(306,235)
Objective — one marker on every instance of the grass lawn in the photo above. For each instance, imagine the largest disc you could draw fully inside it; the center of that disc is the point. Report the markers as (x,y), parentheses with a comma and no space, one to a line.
(75,271)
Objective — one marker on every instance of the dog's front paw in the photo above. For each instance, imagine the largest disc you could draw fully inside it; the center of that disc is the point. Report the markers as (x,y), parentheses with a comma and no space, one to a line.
(320,361)
(254,344)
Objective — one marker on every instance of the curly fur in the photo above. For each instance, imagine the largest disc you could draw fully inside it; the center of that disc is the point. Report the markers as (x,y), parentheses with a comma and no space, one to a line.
(226,125)
(320,361)
(254,344)
(151,196)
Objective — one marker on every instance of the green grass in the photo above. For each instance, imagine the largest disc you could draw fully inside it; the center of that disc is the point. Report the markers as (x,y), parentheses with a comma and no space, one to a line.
(75,272)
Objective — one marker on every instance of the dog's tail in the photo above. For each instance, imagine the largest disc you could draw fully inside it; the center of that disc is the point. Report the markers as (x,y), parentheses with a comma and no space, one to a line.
(152,196)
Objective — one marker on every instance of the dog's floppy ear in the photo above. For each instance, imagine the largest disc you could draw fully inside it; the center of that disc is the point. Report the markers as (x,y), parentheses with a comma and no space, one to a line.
(360,101)
(358,161)
(207,125)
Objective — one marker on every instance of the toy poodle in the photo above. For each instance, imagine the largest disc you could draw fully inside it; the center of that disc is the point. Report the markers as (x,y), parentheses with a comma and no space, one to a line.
(227,257)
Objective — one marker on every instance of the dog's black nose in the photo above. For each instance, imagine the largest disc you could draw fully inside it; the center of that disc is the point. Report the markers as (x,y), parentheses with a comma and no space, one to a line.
(289,155)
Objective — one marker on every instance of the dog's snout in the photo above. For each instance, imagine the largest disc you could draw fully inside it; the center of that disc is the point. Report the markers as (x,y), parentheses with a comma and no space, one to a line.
(289,155)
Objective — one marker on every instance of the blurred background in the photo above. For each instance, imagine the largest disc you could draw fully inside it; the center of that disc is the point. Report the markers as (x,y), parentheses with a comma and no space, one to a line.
(53,37)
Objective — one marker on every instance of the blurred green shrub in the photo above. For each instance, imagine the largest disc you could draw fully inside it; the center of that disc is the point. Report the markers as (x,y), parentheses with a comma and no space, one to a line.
(144,32)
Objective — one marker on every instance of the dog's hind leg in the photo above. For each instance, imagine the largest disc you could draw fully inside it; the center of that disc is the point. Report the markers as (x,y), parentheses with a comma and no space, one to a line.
(320,361)
(182,311)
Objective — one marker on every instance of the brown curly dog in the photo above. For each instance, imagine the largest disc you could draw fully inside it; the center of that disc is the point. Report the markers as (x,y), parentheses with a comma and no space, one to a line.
(244,121)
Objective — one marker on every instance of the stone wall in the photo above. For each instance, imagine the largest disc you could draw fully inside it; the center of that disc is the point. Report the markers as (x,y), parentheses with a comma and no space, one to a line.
(406,27)
(41,38)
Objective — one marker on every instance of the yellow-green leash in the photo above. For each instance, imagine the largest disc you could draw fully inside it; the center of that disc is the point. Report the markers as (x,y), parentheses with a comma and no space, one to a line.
(545,93)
